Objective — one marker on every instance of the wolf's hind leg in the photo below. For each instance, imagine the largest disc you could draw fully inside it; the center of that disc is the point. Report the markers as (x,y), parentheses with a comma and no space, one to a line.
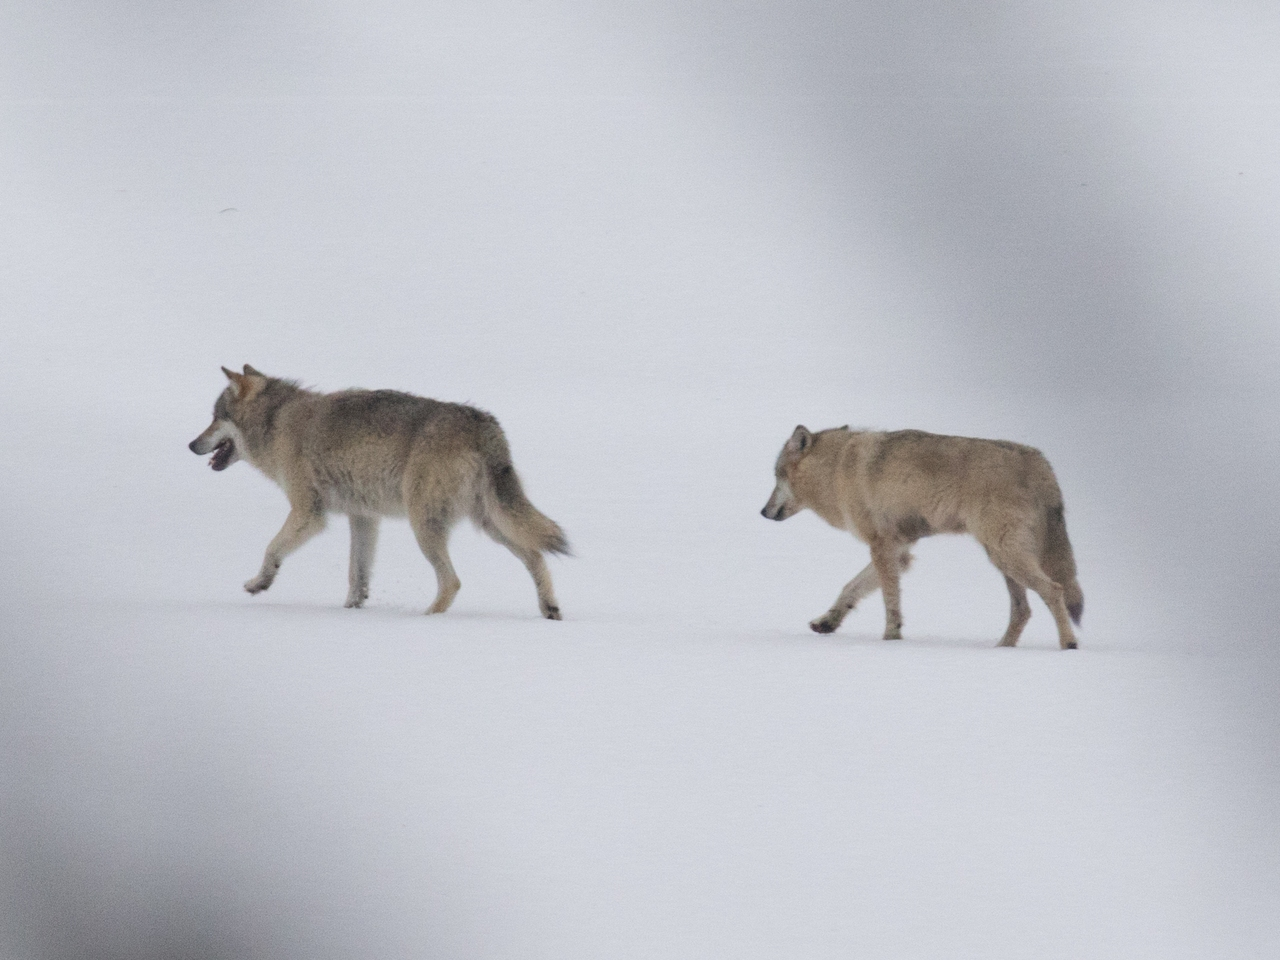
(1023,568)
(1019,612)
(432,532)
(301,525)
(537,568)
(535,564)
(364,539)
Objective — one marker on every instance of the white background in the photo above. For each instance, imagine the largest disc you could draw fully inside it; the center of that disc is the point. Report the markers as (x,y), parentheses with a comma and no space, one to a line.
(651,238)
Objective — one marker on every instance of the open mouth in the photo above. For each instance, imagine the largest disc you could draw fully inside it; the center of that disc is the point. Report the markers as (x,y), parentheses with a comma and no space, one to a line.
(222,454)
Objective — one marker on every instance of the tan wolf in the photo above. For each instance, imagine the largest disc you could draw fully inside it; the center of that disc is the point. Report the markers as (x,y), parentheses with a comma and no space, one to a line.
(377,453)
(891,489)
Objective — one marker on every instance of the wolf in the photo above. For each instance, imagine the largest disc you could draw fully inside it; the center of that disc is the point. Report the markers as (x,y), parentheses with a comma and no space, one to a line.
(890,489)
(379,453)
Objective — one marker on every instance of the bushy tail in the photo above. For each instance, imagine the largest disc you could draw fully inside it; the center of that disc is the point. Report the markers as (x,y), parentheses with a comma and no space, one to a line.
(1060,563)
(508,512)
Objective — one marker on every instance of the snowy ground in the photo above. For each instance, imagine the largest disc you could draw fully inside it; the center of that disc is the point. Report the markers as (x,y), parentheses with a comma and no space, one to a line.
(218,780)
(651,241)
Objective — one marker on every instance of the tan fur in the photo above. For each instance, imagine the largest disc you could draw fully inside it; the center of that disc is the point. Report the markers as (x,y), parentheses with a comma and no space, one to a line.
(371,454)
(891,489)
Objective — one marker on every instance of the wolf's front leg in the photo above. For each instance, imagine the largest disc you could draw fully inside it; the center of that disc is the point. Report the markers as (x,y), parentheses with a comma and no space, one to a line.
(364,538)
(886,559)
(866,582)
(300,526)
(859,588)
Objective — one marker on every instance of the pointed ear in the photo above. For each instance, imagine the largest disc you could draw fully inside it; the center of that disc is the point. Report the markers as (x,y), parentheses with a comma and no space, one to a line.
(801,440)
(250,372)
(238,385)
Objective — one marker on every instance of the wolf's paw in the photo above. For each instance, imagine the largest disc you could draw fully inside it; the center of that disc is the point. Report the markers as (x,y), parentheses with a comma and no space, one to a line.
(354,603)
(893,634)
(825,624)
(552,613)
(257,584)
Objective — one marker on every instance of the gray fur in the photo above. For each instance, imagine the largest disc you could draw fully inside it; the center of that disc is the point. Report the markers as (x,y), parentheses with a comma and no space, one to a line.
(377,453)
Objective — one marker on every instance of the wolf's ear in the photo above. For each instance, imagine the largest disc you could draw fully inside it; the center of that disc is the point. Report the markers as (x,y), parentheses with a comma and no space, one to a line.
(239,386)
(250,372)
(800,440)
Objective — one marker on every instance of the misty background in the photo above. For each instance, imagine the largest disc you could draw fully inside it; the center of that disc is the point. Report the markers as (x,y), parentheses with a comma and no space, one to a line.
(651,238)
(1039,220)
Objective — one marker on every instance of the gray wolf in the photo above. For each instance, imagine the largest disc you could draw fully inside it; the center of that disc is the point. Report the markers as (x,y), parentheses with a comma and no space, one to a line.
(891,489)
(378,453)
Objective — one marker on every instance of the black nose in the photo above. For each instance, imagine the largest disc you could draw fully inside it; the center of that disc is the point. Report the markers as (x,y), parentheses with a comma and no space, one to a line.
(192,445)
(764,512)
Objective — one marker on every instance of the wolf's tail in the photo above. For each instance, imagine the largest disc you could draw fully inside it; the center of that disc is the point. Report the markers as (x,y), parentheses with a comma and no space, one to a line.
(1060,563)
(506,511)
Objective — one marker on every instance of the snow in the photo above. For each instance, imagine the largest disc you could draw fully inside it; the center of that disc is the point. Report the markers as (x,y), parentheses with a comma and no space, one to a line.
(651,239)
(312,782)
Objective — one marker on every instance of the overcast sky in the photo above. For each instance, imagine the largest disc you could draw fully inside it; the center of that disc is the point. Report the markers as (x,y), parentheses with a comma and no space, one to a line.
(1068,196)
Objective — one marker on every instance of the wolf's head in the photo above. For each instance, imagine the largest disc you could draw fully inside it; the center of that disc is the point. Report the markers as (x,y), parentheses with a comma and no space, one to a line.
(784,503)
(223,436)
